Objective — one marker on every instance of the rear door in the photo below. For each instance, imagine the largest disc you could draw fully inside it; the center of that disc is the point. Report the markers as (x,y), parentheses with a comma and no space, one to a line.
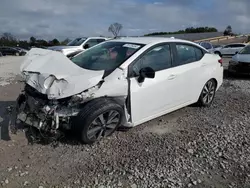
(190,67)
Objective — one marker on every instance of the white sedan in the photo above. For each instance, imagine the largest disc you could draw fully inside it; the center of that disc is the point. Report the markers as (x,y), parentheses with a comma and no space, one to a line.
(230,49)
(121,82)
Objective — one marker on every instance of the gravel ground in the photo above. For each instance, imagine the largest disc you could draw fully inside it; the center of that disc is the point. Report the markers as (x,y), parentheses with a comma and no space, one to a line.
(192,147)
(9,68)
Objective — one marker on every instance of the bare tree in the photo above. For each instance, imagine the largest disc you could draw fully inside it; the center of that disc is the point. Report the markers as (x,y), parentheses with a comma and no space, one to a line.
(115,29)
(8,37)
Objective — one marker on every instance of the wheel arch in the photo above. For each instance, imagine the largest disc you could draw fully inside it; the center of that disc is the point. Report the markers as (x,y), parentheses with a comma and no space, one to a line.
(120,100)
(216,82)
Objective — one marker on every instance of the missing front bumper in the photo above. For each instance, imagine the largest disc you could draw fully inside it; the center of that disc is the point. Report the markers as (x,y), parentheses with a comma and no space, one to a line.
(43,115)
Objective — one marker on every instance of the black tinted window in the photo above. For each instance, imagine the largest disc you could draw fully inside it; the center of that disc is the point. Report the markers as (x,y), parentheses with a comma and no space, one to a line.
(186,54)
(158,58)
(100,40)
(238,45)
(92,42)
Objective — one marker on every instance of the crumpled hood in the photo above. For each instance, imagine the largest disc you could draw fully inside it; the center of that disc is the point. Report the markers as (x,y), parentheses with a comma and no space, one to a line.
(241,58)
(62,47)
(70,79)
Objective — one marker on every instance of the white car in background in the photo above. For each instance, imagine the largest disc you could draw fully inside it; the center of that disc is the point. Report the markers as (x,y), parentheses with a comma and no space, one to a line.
(230,49)
(78,44)
(121,82)
(240,63)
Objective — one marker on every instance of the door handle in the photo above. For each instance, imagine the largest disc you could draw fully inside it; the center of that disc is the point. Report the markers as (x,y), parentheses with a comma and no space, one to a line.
(171,77)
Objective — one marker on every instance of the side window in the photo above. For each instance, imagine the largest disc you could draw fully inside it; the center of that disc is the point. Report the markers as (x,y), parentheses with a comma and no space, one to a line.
(238,45)
(158,58)
(92,42)
(186,54)
(228,46)
(199,53)
(100,40)
(209,46)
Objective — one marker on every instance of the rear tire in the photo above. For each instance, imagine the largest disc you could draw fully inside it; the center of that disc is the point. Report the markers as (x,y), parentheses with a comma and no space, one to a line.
(98,118)
(207,94)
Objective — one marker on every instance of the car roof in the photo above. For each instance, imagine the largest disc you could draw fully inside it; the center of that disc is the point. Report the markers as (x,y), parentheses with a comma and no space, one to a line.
(149,40)
(235,43)
(95,37)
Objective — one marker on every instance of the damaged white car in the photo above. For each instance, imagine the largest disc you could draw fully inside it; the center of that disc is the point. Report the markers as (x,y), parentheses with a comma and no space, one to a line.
(123,82)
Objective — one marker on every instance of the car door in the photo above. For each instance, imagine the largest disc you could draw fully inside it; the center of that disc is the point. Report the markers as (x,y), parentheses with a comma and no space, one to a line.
(156,96)
(190,66)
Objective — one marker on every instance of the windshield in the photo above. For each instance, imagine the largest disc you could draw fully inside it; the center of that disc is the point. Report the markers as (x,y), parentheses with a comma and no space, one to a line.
(76,42)
(245,50)
(106,56)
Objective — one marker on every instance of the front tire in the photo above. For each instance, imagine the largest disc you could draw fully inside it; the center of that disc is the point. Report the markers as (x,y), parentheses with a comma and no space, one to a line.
(17,54)
(207,94)
(98,118)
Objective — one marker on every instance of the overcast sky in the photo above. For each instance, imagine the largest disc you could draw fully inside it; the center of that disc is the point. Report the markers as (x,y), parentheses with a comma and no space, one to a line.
(71,18)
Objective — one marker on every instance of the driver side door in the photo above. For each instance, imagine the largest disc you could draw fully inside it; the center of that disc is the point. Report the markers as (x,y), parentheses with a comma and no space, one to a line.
(153,97)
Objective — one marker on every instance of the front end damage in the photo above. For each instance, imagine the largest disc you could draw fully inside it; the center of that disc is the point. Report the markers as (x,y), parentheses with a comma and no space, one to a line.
(50,118)
(47,114)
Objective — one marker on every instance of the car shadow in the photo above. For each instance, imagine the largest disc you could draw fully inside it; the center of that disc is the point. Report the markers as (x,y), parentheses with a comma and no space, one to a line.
(5,117)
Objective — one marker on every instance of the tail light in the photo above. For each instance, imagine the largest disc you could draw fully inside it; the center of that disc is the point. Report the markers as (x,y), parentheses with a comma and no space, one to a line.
(220,61)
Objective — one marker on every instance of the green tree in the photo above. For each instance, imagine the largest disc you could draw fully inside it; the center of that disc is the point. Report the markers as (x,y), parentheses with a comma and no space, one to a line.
(32,41)
(228,30)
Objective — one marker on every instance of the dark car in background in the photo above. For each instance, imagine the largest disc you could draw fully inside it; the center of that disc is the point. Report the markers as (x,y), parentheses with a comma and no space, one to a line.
(5,50)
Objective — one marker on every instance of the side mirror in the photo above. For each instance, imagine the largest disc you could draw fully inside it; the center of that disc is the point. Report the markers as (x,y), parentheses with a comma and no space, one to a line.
(146,72)
(86,46)
(236,52)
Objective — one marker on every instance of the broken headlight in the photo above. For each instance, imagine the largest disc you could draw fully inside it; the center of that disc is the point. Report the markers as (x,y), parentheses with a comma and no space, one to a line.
(49,81)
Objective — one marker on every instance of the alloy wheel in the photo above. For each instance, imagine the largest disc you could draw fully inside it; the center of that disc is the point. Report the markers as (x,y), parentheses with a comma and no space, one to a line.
(104,125)
(208,92)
